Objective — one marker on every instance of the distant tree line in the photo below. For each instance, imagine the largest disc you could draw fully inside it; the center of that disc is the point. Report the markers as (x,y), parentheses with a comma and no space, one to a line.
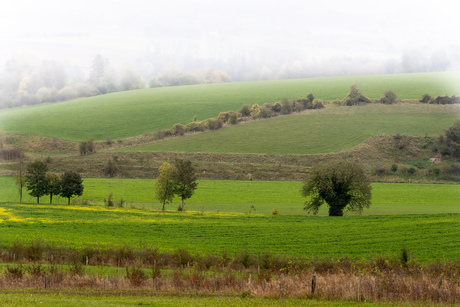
(23,83)
(39,182)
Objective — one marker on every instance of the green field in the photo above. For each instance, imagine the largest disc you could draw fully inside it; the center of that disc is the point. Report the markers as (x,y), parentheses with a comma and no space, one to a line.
(98,298)
(132,113)
(428,236)
(317,132)
(424,216)
(239,196)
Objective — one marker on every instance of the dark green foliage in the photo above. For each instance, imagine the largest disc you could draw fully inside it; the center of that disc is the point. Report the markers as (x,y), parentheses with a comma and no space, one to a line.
(71,184)
(286,106)
(394,167)
(425,98)
(54,185)
(245,110)
(404,256)
(342,185)
(411,171)
(36,181)
(453,139)
(445,100)
(389,97)
(355,97)
(108,201)
(277,107)
(184,179)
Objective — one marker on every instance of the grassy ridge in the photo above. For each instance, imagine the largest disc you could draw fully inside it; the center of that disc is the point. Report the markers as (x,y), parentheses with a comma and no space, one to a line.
(239,196)
(317,132)
(133,113)
(353,236)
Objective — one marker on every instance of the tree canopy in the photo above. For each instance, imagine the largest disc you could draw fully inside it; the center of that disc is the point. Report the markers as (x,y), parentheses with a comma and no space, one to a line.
(36,180)
(164,185)
(342,185)
(71,184)
(184,179)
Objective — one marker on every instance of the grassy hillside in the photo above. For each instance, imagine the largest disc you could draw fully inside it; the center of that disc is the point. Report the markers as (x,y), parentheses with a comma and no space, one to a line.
(316,132)
(127,114)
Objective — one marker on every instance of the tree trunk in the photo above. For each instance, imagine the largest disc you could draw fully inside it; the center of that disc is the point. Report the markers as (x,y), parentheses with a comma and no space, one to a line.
(38,200)
(20,194)
(182,204)
(51,198)
(163,206)
(68,203)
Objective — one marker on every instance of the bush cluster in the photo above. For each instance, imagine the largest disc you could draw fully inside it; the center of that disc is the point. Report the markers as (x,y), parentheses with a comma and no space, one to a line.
(426,98)
(11,154)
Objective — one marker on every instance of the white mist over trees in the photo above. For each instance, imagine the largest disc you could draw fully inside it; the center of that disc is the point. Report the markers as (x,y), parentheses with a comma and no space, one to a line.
(48,54)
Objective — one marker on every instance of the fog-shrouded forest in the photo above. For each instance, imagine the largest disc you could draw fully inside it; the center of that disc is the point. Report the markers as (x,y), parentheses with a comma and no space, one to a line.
(53,53)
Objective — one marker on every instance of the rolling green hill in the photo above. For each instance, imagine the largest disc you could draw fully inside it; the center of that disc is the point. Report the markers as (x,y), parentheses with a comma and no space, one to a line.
(127,114)
(316,132)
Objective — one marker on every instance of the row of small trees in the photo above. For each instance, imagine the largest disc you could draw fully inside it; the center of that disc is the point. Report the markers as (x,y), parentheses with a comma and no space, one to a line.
(35,177)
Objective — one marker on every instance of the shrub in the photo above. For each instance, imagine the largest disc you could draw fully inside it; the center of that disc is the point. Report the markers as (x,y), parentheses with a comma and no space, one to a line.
(162,133)
(277,107)
(266,111)
(255,111)
(108,201)
(275,211)
(389,97)
(286,107)
(11,154)
(380,170)
(233,119)
(15,272)
(355,97)
(394,167)
(213,123)
(195,127)
(425,98)
(318,104)
(411,171)
(120,203)
(136,276)
(178,130)
(245,111)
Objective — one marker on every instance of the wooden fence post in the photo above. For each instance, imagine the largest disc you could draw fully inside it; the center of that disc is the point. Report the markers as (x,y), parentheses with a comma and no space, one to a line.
(313,285)
(281,286)
(439,290)
(359,287)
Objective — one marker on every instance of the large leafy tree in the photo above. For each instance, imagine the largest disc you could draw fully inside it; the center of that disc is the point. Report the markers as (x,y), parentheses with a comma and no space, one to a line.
(54,185)
(36,181)
(342,185)
(164,185)
(71,185)
(453,139)
(184,179)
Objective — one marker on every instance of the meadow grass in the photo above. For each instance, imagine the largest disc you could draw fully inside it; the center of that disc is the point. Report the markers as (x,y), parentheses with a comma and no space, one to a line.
(255,196)
(315,132)
(427,236)
(132,113)
(77,298)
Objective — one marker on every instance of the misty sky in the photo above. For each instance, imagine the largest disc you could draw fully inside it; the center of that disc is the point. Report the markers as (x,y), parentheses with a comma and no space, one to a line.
(75,31)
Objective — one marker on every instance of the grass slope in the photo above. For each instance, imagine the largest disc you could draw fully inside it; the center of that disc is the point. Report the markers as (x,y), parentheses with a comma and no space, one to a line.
(316,132)
(238,196)
(132,113)
(428,236)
